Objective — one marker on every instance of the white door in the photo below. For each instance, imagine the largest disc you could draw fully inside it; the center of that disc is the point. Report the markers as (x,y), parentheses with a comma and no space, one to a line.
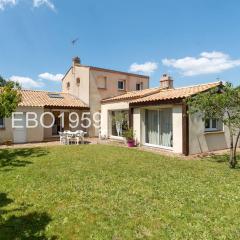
(20,134)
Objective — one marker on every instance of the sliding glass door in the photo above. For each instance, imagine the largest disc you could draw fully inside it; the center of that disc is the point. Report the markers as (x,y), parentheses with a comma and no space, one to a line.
(158,127)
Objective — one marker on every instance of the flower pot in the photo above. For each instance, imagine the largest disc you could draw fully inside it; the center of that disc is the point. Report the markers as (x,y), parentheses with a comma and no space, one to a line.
(8,142)
(131,143)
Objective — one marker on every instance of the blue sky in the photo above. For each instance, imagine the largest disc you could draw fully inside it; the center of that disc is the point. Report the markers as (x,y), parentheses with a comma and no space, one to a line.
(194,41)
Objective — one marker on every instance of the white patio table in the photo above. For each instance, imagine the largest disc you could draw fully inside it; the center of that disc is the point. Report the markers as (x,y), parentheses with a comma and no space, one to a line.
(68,137)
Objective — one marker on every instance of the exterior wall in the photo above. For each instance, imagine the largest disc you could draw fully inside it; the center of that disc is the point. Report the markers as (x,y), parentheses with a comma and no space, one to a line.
(97,94)
(177,129)
(81,90)
(35,134)
(6,133)
(106,117)
(139,126)
(32,134)
(201,141)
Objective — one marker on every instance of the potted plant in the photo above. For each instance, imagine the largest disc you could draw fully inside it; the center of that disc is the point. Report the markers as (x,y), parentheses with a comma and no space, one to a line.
(129,135)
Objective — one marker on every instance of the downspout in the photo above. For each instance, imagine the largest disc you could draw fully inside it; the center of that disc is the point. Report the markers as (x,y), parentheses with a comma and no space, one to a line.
(185,129)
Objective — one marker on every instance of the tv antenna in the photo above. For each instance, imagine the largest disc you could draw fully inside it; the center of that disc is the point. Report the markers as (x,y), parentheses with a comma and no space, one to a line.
(74,41)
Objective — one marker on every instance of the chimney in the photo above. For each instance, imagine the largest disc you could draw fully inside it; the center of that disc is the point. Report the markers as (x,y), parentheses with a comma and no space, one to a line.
(166,81)
(76,60)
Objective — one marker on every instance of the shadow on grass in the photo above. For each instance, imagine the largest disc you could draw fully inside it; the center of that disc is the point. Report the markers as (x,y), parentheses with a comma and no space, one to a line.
(14,157)
(22,226)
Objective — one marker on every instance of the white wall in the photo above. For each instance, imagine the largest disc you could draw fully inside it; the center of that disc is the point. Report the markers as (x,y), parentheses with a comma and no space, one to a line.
(201,141)
(177,129)
(137,124)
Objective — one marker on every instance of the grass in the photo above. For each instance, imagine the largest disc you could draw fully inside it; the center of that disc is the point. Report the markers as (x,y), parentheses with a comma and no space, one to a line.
(106,192)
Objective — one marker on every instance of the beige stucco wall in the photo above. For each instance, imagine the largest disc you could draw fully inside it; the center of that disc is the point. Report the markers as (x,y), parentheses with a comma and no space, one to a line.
(32,134)
(6,133)
(201,141)
(112,78)
(106,116)
(137,123)
(35,134)
(80,90)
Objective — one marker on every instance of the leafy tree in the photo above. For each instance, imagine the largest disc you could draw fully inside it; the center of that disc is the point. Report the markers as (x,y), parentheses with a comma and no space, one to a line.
(9,97)
(222,103)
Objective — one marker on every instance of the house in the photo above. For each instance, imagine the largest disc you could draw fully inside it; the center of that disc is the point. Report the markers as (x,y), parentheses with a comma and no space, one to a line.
(40,104)
(93,84)
(83,88)
(159,118)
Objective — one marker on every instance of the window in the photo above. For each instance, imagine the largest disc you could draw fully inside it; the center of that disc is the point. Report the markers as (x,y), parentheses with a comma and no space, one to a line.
(121,85)
(78,80)
(119,122)
(55,95)
(2,123)
(102,82)
(159,127)
(213,125)
(139,86)
(68,85)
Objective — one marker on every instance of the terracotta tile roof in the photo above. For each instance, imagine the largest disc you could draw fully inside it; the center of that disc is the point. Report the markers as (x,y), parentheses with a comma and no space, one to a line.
(176,93)
(31,98)
(132,95)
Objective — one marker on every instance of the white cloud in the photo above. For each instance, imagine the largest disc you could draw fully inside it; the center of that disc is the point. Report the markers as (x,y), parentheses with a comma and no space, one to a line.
(51,77)
(27,82)
(206,63)
(147,67)
(39,3)
(4,3)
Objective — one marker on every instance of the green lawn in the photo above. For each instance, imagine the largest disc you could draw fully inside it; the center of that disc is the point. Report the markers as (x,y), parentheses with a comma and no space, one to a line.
(106,192)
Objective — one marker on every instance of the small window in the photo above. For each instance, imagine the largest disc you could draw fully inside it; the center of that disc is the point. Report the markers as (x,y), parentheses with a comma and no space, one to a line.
(121,85)
(2,123)
(102,82)
(213,125)
(68,85)
(139,86)
(77,81)
(55,95)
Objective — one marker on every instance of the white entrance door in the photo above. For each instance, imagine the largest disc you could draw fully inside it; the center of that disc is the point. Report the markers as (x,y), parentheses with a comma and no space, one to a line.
(20,134)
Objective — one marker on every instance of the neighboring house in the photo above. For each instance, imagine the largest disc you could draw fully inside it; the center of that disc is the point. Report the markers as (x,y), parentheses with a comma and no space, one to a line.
(40,102)
(92,84)
(159,118)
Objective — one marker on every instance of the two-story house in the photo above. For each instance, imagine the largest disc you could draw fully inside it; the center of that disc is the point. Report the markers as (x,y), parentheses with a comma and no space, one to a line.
(92,84)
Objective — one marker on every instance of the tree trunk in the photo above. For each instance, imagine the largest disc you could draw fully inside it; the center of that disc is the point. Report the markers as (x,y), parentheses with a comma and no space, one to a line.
(235,147)
(232,159)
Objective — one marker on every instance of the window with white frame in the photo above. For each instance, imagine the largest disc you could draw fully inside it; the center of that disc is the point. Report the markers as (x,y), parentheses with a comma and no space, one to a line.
(2,123)
(139,86)
(121,85)
(213,125)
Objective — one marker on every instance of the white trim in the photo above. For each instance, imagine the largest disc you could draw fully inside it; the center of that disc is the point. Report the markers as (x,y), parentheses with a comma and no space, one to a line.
(117,138)
(124,83)
(158,146)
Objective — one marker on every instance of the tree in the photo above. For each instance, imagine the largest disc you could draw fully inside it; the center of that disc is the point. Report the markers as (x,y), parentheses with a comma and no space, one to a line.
(10,97)
(222,103)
